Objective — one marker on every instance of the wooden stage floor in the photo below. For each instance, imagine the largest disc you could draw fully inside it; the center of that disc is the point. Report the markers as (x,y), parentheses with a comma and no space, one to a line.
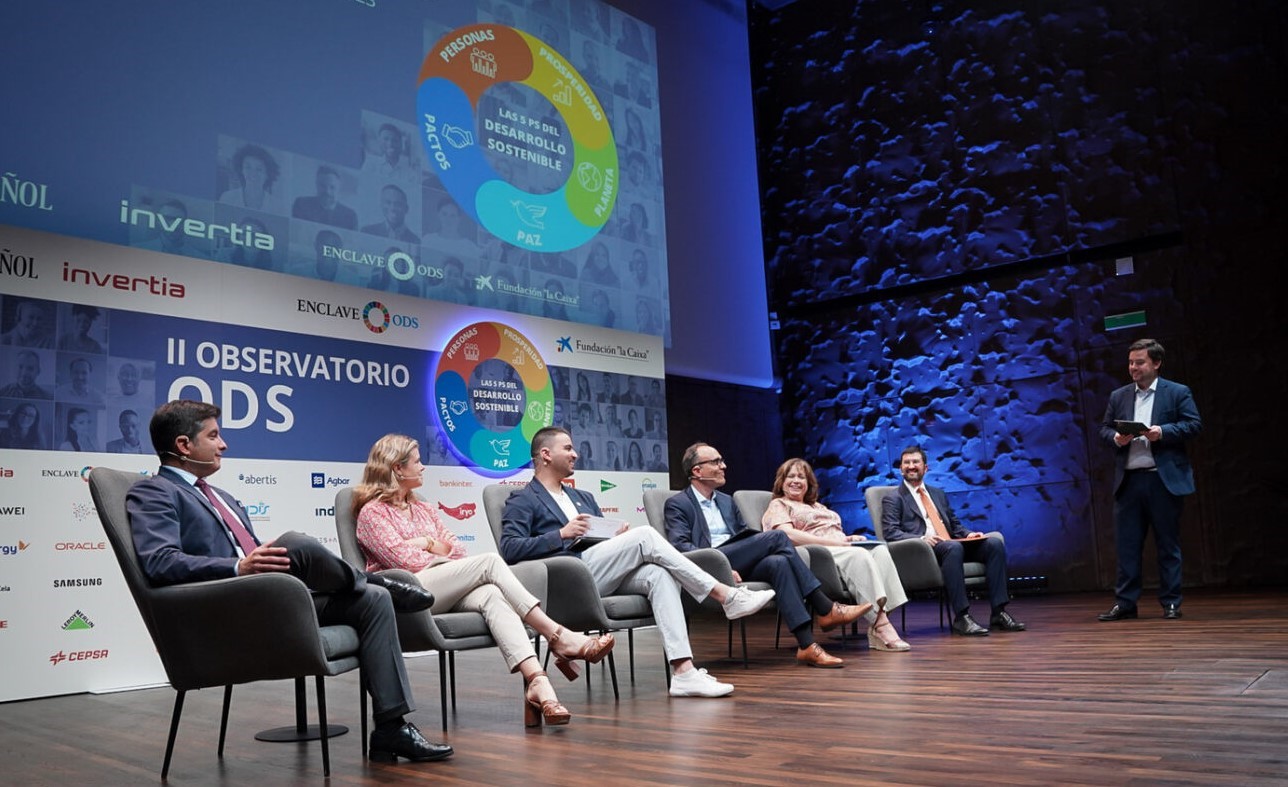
(1200,701)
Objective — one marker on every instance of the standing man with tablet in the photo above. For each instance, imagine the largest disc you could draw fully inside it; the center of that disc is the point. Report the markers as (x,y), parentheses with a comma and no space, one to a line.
(1152,476)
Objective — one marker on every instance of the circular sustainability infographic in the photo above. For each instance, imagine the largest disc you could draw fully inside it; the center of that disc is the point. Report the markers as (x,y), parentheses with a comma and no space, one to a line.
(492,392)
(566,139)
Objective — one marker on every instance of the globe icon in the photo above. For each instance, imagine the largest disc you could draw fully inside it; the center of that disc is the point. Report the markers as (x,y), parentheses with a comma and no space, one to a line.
(589,176)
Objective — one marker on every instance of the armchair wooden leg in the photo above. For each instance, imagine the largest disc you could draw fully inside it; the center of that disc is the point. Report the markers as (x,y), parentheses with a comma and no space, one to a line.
(223,719)
(174,730)
(362,707)
(612,671)
(322,728)
(742,626)
(729,646)
(630,642)
(442,686)
(451,667)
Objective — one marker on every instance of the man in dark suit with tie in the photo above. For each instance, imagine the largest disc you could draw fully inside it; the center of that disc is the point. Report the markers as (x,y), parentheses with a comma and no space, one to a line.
(919,510)
(702,516)
(188,531)
(1152,476)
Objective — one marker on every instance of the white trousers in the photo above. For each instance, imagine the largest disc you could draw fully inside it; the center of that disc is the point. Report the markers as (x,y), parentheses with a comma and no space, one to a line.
(642,561)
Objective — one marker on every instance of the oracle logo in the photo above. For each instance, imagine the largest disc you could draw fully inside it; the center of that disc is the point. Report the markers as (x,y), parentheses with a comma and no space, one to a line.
(79,546)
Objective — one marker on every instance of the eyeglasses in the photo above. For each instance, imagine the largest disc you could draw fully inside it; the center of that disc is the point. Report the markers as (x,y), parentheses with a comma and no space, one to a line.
(719,460)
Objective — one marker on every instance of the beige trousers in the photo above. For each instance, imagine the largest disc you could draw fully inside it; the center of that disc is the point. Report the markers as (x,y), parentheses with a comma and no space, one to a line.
(870,575)
(485,584)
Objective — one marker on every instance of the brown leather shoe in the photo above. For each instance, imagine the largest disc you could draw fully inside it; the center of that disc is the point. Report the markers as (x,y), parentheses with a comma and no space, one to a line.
(841,615)
(815,656)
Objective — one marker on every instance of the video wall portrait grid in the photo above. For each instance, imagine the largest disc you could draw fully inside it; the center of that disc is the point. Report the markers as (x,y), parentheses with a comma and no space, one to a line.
(62,387)
(386,220)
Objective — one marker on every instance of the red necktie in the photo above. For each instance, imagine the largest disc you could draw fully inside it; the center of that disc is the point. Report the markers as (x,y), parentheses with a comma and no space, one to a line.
(933,514)
(239,531)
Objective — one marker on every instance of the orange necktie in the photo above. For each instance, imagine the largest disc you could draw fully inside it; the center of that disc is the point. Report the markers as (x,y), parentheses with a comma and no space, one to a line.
(933,513)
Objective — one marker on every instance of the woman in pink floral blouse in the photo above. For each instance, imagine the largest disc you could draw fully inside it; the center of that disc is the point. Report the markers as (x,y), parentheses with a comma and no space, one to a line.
(397,529)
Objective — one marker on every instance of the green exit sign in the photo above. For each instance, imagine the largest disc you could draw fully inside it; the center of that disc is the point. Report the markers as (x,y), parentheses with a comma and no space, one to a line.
(1116,322)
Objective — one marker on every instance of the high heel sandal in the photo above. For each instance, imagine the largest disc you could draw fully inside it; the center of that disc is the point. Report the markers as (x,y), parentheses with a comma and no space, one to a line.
(536,710)
(592,651)
(875,642)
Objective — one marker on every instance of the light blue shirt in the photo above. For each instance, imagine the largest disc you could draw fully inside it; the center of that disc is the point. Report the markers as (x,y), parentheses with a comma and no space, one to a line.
(719,530)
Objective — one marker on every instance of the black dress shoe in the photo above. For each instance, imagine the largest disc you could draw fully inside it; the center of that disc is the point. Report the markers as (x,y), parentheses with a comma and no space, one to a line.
(406,742)
(1171,611)
(408,597)
(1002,620)
(1117,612)
(967,627)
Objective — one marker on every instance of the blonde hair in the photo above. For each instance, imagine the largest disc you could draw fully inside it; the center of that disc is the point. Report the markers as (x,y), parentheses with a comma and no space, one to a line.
(379,481)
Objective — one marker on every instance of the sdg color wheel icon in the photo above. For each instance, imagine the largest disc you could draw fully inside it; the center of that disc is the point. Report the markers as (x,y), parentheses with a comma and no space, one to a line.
(579,152)
(492,392)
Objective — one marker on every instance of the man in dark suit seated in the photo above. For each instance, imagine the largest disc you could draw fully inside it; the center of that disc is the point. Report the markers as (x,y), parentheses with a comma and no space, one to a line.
(702,516)
(188,531)
(919,510)
(546,517)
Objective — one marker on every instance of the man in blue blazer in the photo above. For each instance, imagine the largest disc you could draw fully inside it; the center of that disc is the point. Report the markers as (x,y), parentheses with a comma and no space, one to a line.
(702,516)
(186,530)
(919,510)
(547,517)
(1152,476)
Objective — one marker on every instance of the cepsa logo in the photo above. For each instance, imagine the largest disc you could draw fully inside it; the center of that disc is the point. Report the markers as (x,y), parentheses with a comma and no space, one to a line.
(463,511)
(378,319)
(77,655)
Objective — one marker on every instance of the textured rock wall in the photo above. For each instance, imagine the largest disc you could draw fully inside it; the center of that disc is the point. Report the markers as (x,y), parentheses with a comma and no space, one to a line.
(945,188)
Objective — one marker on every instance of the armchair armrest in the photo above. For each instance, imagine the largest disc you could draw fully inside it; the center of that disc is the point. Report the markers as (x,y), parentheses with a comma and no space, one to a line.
(238,630)
(915,561)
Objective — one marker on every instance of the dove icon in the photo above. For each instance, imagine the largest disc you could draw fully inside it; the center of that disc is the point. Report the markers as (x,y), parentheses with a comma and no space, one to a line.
(529,214)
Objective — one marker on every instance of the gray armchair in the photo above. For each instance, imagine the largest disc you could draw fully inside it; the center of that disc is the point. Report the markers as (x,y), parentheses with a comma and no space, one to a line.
(915,560)
(712,561)
(572,598)
(447,632)
(227,631)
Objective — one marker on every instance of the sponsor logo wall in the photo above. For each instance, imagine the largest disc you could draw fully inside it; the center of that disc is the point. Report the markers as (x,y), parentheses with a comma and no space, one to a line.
(309,374)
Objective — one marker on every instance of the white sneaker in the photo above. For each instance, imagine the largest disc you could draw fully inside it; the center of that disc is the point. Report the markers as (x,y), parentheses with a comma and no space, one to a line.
(697,683)
(742,602)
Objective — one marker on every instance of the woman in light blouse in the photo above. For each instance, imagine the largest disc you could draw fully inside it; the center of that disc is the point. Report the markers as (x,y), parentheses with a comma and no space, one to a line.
(868,574)
(397,529)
